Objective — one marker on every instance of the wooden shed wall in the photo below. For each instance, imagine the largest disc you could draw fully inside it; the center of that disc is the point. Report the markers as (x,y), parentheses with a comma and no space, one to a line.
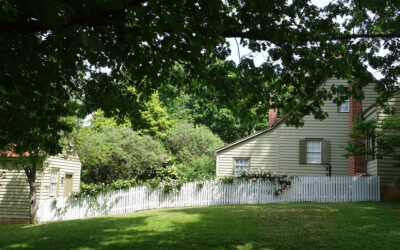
(14,189)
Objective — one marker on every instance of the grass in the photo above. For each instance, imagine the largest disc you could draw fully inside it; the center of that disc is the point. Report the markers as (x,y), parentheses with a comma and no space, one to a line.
(272,226)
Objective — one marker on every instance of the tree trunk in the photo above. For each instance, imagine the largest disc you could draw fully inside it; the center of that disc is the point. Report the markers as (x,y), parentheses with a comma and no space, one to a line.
(33,206)
(30,172)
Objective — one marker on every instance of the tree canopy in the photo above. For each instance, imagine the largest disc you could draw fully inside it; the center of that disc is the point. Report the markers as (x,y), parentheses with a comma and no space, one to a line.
(58,56)
(63,58)
(200,103)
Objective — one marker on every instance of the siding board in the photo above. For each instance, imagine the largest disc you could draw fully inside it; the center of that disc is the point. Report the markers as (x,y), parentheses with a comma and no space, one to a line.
(14,189)
(384,167)
(277,150)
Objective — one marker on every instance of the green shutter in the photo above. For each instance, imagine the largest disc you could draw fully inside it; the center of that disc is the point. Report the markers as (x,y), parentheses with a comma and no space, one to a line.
(303,152)
(325,152)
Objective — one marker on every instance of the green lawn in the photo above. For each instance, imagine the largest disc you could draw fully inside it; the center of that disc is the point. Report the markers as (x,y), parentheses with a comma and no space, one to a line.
(273,226)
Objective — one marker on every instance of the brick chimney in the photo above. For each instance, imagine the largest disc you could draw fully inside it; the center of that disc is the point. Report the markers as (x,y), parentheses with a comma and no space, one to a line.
(272,114)
(357,163)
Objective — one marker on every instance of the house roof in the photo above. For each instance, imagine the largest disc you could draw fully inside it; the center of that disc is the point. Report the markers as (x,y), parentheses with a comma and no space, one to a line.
(252,135)
(375,104)
(367,109)
(11,153)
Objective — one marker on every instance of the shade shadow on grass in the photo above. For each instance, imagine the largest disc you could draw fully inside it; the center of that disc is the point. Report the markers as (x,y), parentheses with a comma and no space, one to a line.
(271,226)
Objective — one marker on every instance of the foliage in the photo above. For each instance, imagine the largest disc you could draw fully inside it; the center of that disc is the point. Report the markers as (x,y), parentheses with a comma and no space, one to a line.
(359,225)
(178,103)
(114,153)
(227,179)
(230,115)
(92,190)
(384,133)
(193,150)
(71,58)
(202,168)
(99,122)
(54,57)
(168,185)
(281,182)
(156,118)
(397,183)
(383,136)
(113,156)
(187,142)
(174,184)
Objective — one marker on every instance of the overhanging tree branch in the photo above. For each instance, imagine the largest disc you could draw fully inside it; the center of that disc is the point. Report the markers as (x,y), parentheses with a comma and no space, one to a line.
(307,37)
(103,16)
(97,17)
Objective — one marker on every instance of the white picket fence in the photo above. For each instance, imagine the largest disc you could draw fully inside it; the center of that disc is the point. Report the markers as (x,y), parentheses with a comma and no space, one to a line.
(311,189)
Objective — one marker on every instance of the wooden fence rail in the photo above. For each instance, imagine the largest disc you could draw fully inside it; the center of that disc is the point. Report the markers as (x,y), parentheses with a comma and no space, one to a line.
(311,189)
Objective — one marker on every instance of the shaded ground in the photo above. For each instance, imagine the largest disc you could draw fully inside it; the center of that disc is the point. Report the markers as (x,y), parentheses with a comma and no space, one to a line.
(272,226)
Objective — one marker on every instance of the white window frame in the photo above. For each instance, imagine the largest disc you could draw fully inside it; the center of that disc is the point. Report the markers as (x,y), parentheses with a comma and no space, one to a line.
(54,181)
(241,165)
(344,107)
(314,151)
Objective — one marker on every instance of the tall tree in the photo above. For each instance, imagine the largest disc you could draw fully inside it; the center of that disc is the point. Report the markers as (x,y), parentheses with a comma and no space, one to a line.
(155,118)
(230,114)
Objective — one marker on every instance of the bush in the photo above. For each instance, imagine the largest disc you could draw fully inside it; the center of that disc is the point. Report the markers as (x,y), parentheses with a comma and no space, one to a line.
(116,153)
(188,142)
(143,157)
(193,149)
(202,168)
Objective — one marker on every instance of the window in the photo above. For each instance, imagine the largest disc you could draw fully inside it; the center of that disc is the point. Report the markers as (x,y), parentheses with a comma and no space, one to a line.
(371,147)
(241,165)
(345,107)
(314,150)
(53,182)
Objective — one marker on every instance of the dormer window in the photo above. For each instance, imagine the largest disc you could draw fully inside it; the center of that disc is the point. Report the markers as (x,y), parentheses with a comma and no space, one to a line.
(345,107)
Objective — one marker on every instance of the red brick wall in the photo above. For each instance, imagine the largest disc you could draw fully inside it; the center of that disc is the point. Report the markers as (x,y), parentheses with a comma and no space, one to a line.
(272,116)
(357,163)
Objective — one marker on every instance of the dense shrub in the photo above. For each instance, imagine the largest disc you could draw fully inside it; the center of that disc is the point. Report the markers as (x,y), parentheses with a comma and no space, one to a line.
(187,142)
(118,153)
(202,168)
(193,149)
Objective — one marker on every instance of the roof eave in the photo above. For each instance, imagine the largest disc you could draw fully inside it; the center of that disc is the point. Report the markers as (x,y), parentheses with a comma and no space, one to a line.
(251,136)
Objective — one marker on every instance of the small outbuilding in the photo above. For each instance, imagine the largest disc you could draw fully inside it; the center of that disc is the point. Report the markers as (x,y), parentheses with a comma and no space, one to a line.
(61,175)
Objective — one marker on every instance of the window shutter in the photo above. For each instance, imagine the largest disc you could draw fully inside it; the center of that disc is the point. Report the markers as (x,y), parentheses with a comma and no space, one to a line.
(325,152)
(303,152)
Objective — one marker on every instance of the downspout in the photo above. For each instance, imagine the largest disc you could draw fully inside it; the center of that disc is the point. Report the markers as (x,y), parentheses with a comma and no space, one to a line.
(329,169)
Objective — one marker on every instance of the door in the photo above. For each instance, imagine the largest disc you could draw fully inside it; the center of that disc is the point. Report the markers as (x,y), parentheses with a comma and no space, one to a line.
(67,184)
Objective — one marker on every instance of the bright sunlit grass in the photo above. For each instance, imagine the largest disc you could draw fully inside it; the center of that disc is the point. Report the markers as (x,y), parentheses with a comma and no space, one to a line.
(272,226)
